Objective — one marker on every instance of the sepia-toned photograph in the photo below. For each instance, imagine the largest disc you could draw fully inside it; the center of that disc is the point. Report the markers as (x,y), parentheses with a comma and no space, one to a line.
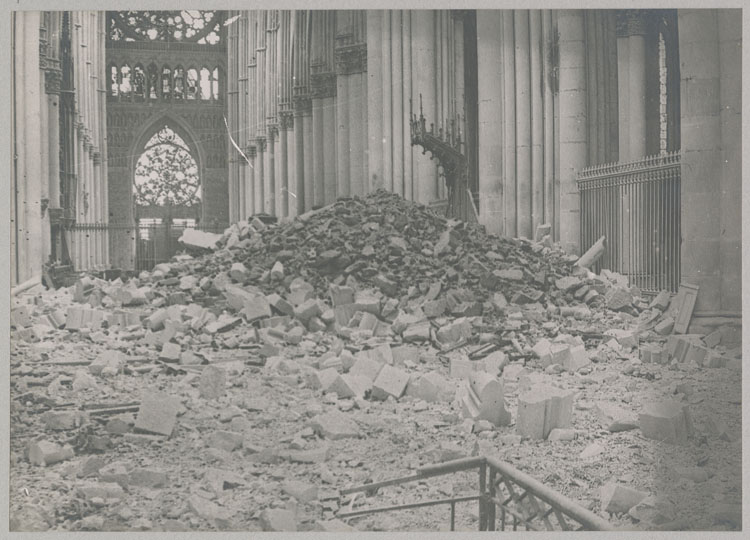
(353,270)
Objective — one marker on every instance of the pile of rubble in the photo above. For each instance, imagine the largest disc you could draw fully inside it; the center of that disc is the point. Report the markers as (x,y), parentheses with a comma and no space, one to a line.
(365,301)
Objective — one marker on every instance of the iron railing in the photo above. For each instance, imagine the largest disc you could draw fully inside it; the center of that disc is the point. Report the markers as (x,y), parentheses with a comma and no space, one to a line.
(89,243)
(636,205)
(521,499)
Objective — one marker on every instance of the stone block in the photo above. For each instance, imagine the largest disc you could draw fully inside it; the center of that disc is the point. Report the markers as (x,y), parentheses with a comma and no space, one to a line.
(280,305)
(213,383)
(149,478)
(278,520)
(461,368)
(340,295)
(335,425)
(366,367)
(482,398)
(350,386)
(170,352)
(101,490)
(618,298)
(302,491)
(715,360)
(559,354)
(417,332)
(389,382)
(367,301)
(431,387)
(313,455)
(454,331)
(577,358)
(239,272)
(404,353)
(307,310)
(63,420)
(628,339)
(333,526)
(543,408)
(323,379)
(226,440)
(614,418)
(696,354)
(434,308)
(493,363)
(157,413)
(45,453)
(561,434)
(666,421)
(619,499)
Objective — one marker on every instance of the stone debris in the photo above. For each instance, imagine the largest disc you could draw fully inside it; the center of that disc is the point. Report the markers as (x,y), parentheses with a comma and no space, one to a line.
(543,408)
(618,499)
(482,398)
(157,413)
(315,343)
(666,421)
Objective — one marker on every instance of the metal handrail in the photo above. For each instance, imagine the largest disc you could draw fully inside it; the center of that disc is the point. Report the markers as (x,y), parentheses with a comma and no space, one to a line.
(560,505)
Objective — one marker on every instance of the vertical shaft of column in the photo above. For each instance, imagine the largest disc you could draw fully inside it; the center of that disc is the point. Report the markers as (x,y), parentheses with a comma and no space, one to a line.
(523,124)
(299,161)
(397,101)
(491,118)
(260,161)
(623,71)
(406,94)
(637,95)
(318,144)
(356,173)
(343,177)
(291,168)
(250,178)
(329,150)
(549,132)
(386,48)
(374,98)
(537,120)
(282,201)
(509,99)
(309,161)
(269,197)
(573,136)
(423,65)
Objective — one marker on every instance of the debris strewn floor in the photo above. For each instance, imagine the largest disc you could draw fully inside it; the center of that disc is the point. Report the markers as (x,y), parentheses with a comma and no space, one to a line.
(242,384)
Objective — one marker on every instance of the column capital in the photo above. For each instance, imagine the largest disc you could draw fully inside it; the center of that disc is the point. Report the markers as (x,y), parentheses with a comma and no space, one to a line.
(52,80)
(302,103)
(96,156)
(631,22)
(323,85)
(351,59)
(260,143)
(286,120)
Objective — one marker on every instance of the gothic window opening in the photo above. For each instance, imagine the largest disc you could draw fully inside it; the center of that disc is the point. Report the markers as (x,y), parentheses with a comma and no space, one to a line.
(114,80)
(125,86)
(139,82)
(153,77)
(166,174)
(192,83)
(205,84)
(179,82)
(166,82)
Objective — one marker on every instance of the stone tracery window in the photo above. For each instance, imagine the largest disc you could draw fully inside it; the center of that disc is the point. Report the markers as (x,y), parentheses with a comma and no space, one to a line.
(186,26)
(139,82)
(166,174)
(125,86)
(179,83)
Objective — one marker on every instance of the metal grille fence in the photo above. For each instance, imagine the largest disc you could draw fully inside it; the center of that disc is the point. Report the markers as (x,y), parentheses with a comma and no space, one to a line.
(88,243)
(636,205)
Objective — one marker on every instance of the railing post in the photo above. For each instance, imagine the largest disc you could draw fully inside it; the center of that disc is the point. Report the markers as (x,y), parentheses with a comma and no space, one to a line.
(482,496)
(491,502)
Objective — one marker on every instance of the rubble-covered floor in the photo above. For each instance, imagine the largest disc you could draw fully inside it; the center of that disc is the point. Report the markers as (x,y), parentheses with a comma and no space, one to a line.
(255,362)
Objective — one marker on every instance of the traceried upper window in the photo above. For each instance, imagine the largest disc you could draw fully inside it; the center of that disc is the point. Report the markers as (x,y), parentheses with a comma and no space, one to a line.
(186,26)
